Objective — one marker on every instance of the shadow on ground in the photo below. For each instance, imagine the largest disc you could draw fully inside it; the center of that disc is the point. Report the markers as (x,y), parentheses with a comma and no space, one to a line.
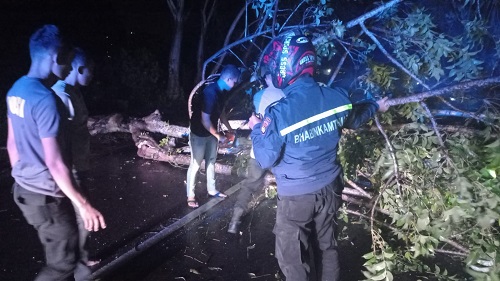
(142,199)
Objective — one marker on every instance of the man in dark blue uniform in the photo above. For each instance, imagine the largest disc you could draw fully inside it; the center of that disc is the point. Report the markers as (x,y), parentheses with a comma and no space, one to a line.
(298,138)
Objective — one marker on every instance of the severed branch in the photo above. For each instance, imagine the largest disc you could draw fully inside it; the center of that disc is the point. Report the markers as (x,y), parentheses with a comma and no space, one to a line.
(434,125)
(151,123)
(349,199)
(393,153)
(372,13)
(359,189)
(479,118)
(463,251)
(391,58)
(226,41)
(483,83)
(259,32)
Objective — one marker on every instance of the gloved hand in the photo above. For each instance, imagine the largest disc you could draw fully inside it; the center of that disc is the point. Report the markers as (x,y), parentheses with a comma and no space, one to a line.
(253,120)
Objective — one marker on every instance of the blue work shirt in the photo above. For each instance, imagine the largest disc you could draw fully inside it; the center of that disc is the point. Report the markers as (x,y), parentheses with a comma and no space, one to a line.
(299,135)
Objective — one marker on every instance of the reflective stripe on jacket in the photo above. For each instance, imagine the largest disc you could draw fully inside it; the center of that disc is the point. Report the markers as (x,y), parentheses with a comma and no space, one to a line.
(298,137)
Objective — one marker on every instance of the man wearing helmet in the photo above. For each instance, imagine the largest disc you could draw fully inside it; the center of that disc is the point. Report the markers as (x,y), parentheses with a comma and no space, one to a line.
(298,138)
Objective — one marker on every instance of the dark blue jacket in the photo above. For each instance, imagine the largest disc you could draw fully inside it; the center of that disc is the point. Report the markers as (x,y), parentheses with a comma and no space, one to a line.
(298,137)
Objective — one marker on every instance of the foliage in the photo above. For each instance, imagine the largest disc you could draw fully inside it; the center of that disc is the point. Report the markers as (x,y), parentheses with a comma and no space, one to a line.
(439,198)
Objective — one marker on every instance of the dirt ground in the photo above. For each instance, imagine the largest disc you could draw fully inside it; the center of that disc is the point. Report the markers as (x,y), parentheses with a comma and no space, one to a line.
(142,200)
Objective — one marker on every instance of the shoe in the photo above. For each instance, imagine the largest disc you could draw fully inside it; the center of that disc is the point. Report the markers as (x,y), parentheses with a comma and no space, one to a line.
(218,195)
(192,203)
(235,220)
(91,263)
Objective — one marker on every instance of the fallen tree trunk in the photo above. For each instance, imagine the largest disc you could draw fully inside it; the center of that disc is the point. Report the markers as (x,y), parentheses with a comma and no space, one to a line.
(152,153)
(151,123)
(149,148)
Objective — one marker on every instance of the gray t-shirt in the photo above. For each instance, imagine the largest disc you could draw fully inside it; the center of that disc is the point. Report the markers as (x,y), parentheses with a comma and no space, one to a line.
(262,99)
(33,111)
(265,97)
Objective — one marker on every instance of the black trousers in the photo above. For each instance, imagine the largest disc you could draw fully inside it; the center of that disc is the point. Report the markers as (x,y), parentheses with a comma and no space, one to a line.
(55,221)
(251,185)
(304,224)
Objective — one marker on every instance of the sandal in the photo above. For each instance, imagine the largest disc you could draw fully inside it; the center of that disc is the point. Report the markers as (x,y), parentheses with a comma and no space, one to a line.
(192,203)
(218,195)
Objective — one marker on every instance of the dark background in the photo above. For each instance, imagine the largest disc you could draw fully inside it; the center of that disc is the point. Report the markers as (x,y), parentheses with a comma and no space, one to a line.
(125,38)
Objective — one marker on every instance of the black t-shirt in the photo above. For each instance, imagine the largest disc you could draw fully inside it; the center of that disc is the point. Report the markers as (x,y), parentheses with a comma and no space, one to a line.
(210,101)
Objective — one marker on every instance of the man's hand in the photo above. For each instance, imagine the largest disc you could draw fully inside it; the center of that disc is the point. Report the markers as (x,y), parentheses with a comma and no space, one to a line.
(230,136)
(382,105)
(222,138)
(91,217)
(253,120)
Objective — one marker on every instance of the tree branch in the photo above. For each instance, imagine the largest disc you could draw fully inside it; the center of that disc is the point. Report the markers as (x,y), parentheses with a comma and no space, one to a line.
(372,13)
(359,189)
(291,14)
(471,114)
(454,244)
(391,150)
(347,198)
(457,87)
(391,58)
(274,17)
(226,41)
(434,125)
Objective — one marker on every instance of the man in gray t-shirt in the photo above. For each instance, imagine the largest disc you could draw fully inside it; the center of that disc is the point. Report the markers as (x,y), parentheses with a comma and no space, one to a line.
(43,184)
(255,176)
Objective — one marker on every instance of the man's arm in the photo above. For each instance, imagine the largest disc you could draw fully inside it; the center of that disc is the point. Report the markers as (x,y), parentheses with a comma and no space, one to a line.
(11,144)
(205,120)
(92,218)
(267,146)
(225,121)
(363,112)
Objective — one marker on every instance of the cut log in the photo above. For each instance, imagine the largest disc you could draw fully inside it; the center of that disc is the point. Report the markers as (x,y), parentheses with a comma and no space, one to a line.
(151,123)
(148,152)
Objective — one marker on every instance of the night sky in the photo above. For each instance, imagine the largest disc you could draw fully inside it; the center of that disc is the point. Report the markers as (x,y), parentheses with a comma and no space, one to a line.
(102,28)
(105,27)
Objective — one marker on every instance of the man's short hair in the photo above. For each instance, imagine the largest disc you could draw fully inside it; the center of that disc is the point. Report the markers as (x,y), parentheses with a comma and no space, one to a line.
(45,40)
(81,58)
(230,71)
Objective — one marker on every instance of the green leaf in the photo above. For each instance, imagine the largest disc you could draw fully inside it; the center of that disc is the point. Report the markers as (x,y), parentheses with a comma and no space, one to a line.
(368,256)
(422,223)
(378,266)
(492,173)
(380,276)
(494,144)
(388,255)
(389,276)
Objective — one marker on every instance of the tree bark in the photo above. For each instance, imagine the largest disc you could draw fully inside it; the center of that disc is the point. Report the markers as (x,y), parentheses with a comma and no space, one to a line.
(226,41)
(151,123)
(483,83)
(206,17)
(174,88)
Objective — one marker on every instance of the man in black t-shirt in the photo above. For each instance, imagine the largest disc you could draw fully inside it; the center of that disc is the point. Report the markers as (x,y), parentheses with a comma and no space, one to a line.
(204,137)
